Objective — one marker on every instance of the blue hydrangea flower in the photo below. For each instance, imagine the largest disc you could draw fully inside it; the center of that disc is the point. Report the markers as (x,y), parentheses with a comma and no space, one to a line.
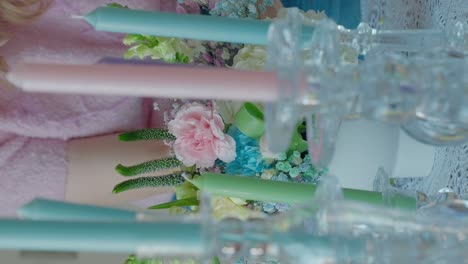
(295,158)
(290,168)
(249,160)
(272,208)
(240,8)
(280,177)
(304,167)
(282,156)
(282,207)
(269,208)
(294,172)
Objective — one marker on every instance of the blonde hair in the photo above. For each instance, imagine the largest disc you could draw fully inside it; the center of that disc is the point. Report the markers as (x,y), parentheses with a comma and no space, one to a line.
(22,11)
(18,12)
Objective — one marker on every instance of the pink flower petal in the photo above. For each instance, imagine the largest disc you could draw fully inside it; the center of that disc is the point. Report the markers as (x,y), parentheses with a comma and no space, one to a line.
(226,149)
(200,137)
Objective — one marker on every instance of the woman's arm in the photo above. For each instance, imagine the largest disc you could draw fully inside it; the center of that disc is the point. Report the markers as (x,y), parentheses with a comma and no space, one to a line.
(92,176)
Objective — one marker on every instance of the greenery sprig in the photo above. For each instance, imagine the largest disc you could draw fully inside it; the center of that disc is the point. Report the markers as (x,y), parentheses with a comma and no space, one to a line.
(149,182)
(172,179)
(134,260)
(147,134)
(149,166)
(171,50)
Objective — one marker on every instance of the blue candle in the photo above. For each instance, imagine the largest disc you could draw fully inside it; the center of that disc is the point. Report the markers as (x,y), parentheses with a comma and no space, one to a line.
(41,209)
(200,27)
(163,238)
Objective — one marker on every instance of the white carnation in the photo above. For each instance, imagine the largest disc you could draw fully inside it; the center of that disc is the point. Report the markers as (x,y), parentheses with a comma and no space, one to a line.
(250,58)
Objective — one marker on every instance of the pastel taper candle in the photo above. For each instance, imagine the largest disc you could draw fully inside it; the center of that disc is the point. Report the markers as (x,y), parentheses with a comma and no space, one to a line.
(187,26)
(250,188)
(200,27)
(164,238)
(166,81)
(42,209)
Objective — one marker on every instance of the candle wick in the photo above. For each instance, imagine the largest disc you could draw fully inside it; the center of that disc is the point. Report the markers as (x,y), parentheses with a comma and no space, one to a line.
(77,17)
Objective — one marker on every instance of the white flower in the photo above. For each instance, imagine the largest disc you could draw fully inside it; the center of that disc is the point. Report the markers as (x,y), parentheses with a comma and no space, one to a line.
(196,46)
(156,106)
(267,174)
(225,207)
(238,201)
(228,110)
(250,58)
(226,55)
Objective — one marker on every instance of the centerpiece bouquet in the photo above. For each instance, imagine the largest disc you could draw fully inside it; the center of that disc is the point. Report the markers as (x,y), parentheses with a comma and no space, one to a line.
(215,136)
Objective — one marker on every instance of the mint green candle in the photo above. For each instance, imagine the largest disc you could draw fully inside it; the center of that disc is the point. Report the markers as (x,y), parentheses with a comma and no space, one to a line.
(250,188)
(188,26)
(160,239)
(42,209)
(119,237)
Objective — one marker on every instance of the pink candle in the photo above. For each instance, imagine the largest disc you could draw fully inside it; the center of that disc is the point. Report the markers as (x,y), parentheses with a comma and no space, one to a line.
(148,81)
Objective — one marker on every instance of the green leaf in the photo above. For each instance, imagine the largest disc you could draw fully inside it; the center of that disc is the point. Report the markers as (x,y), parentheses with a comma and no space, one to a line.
(149,166)
(134,38)
(226,128)
(116,5)
(152,41)
(182,58)
(147,134)
(216,260)
(179,203)
(168,49)
(392,182)
(143,51)
(132,259)
(149,182)
(186,190)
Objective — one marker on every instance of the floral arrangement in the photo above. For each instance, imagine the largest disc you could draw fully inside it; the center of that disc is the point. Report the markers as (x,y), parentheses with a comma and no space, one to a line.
(203,141)
(214,136)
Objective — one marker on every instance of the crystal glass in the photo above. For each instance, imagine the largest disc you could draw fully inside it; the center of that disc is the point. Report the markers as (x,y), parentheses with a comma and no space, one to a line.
(358,233)
(427,94)
(390,89)
(439,118)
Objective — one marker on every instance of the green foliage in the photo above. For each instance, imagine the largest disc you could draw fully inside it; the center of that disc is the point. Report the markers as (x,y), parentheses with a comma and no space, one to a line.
(147,134)
(149,182)
(186,190)
(192,201)
(149,166)
(132,259)
(171,50)
(116,5)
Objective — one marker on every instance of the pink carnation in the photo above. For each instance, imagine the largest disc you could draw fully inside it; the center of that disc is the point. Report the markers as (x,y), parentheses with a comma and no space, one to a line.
(200,137)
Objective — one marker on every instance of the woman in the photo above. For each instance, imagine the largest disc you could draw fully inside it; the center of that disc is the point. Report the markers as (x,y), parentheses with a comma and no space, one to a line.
(35,128)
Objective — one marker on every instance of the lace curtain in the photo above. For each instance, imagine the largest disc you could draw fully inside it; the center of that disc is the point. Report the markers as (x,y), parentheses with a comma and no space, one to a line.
(450,168)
